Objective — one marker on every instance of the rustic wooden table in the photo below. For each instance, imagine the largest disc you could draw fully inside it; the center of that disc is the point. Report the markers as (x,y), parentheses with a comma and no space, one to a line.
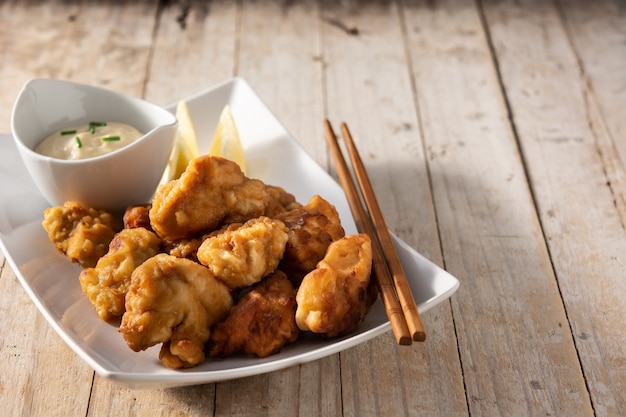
(495,135)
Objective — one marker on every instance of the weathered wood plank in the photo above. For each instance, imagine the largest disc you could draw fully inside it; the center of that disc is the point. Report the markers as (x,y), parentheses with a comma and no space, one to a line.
(585,236)
(103,44)
(368,85)
(597,32)
(508,306)
(64,42)
(30,354)
(111,399)
(309,389)
(280,56)
(194,49)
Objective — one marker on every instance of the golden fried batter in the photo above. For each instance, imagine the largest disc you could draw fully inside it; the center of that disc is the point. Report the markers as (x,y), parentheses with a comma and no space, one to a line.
(83,234)
(137,216)
(318,204)
(211,191)
(311,229)
(280,201)
(245,201)
(243,256)
(188,248)
(333,298)
(173,301)
(184,248)
(107,283)
(262,321)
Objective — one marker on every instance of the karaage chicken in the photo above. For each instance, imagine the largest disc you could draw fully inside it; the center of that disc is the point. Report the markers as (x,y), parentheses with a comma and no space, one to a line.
(106,284)
(280,201)
(137,216)
(82,234)
(262,321)
(312,229)
(211,191)
(173,301)
(184,248)
(333,298)
(242,256)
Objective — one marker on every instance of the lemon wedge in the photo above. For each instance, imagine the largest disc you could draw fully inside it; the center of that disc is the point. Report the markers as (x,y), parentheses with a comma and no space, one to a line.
(226,142)
(185,145)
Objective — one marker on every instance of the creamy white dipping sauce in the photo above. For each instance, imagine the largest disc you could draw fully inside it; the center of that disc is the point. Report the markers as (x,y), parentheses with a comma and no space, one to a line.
(88,140)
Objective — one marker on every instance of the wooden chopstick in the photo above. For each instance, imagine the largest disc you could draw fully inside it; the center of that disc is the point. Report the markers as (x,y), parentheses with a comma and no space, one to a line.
(363,224)
(411,314)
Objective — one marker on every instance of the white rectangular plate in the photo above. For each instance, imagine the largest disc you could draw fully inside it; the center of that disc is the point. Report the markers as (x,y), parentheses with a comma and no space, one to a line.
(273,156)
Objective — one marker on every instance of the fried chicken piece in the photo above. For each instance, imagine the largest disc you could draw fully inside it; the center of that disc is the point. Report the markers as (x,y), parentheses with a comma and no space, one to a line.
(280,201)
(137,216)
(184,248)
(82,234)
(210,192)
(188,248)
(242,256)
(231,227)
(173,301)
(312,229)
(245,201)
(333,298)
(106,284)
(262,321)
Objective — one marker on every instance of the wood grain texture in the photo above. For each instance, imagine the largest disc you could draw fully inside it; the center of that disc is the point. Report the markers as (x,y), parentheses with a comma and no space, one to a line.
(479,187)
(550,103)
(105,44)
(30,352)
(194,49)
(600,47)
(279,54)
(110,399)
(597,32)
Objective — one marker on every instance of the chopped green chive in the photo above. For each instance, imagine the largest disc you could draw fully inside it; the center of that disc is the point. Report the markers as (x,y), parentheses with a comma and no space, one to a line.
(67,132)
(111,138)
(78,142)
(93,125)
